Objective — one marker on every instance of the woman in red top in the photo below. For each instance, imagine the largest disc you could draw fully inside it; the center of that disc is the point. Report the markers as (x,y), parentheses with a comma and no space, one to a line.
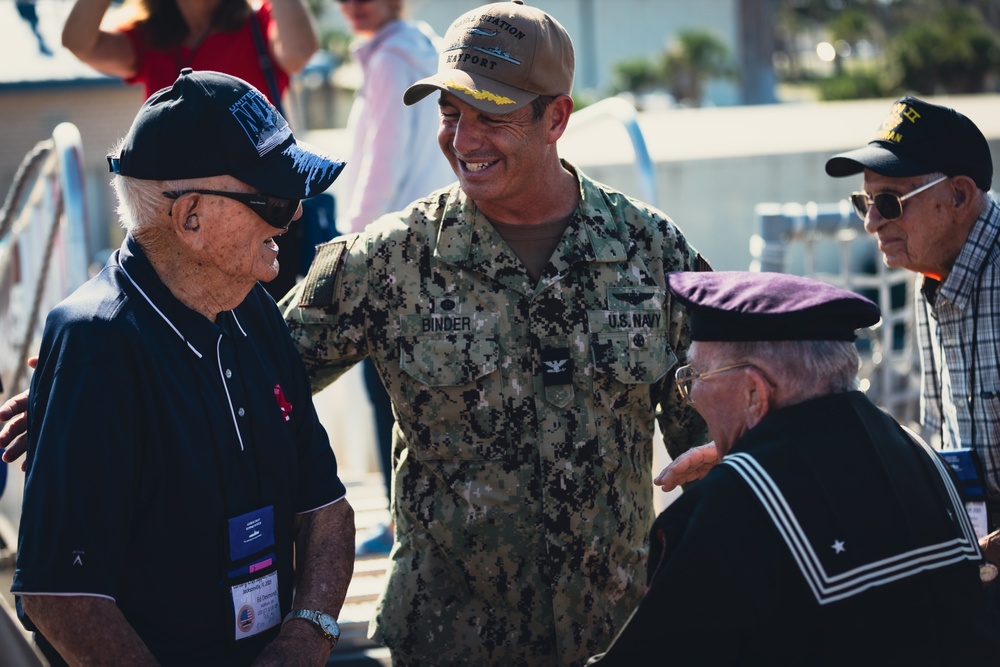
(169,35)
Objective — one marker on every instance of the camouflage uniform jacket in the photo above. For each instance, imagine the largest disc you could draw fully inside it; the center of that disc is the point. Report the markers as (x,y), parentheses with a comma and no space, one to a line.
(522,490)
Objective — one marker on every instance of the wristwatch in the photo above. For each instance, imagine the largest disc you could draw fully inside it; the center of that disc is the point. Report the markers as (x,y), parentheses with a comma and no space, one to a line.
(326,624)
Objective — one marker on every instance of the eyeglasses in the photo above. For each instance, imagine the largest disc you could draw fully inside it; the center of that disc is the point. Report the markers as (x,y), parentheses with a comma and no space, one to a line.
(275,211)
(686,375)
(889,206)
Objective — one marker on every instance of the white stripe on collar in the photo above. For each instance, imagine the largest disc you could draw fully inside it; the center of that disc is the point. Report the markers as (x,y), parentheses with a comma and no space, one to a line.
(167,319)
(827,588)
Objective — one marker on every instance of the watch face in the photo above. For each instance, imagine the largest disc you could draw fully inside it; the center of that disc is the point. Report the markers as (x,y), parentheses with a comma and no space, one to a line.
(329,624)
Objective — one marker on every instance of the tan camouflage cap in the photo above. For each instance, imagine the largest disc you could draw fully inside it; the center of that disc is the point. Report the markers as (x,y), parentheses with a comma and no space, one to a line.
(501,56)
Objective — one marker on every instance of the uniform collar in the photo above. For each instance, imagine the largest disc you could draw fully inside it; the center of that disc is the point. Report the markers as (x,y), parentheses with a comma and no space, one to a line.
(198,332)
(467,239)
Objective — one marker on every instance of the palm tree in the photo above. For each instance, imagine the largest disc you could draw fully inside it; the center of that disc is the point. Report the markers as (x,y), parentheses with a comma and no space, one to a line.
(689,62)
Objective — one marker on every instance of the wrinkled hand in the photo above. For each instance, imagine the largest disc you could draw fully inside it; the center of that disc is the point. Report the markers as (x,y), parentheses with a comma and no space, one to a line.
(297,645)
(14,434)
(688,467)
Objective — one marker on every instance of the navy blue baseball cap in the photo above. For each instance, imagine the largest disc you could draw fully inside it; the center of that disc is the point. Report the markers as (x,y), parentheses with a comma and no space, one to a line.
(918,138)
(214,124)
(745,306)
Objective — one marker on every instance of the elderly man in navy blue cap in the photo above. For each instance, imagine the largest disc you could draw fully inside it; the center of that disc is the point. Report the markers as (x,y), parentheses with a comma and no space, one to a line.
(182,504)
(826,534)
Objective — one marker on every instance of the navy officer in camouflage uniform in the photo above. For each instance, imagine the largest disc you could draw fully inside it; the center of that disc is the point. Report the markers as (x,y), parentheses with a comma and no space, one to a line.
(521,324)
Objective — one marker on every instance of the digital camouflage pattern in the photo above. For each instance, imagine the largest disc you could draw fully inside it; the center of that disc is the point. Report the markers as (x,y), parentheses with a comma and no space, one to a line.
(522,489)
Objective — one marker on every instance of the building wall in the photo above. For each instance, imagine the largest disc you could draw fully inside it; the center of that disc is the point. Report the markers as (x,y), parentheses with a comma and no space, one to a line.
(102,112)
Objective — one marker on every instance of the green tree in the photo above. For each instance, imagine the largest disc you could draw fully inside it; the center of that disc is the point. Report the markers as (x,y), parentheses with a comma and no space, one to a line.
(954,52)
(853,25)
(924,46)
(690,61)
(637,75)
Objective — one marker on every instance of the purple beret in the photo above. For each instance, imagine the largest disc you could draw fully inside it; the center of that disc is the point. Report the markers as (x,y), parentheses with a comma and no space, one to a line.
(745,306)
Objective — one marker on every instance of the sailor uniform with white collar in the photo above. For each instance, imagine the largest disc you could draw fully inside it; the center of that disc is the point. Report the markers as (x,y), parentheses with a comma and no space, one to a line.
(826,536)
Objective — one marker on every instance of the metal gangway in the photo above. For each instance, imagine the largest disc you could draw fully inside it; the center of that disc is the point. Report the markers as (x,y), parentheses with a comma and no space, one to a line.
(828,242)
(43,258)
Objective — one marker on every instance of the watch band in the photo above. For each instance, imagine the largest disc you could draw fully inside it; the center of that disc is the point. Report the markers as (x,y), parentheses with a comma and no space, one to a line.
(326,624)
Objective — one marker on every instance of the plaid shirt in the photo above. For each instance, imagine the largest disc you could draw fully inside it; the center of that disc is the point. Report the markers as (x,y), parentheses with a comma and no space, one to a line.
(950,316)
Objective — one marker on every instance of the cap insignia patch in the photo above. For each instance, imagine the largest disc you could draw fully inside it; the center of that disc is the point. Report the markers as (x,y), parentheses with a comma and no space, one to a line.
(264,127)
(499,53)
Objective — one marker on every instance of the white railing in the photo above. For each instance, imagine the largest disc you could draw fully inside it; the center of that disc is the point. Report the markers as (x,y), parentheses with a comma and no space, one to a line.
(43,258)
(828,242)
(43,254)
(622,111)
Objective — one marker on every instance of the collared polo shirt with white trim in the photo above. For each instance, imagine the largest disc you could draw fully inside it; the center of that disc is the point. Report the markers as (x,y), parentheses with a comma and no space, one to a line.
(149,426)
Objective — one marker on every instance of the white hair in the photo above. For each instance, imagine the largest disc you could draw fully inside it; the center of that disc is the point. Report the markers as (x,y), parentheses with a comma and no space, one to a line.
(138,201)
(141,200)
(804,368)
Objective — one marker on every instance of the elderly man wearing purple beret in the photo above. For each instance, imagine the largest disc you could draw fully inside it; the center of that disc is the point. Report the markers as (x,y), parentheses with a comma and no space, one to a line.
(827,534)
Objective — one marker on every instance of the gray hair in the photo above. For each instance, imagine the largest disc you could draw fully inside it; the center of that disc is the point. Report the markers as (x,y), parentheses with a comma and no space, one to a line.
(139,200)
(981,198)
(803,368)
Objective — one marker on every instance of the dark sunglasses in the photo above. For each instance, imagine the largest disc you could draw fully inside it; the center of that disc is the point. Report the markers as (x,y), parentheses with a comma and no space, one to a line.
(889,206)
(275,211)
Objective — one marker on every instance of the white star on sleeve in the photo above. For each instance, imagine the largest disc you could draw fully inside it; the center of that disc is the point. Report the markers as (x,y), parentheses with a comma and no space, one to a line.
(838,546)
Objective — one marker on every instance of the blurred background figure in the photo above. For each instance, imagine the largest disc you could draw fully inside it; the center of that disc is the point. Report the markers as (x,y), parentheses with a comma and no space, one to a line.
(27,11)
(153,40)
(158,38)
(394,160)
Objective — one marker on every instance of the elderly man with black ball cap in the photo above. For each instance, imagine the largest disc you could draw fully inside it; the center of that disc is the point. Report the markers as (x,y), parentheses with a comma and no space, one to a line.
(926,173)
(827,534)
(182,504)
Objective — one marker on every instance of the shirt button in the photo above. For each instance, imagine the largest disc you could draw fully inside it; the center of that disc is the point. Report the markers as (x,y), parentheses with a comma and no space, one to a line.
(229,374)
(241,412)
(638,340)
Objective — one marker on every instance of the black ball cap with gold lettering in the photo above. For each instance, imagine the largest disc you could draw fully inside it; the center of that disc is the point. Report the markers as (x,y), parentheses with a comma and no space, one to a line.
(746,306)
(214,124)
(918,138)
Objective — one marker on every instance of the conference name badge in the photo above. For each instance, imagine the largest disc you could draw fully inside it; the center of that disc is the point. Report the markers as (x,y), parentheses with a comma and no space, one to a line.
(252,573)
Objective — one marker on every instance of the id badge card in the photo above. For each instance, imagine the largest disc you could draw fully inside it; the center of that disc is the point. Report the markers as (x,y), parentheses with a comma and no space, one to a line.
(252,573)
(965,463)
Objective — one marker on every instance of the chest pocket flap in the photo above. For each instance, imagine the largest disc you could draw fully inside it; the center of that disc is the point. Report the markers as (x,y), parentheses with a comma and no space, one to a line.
(449,350)
(631,345)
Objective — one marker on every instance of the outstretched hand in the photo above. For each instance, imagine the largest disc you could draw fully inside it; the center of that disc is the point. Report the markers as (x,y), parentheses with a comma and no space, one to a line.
(688,467)
(14,415)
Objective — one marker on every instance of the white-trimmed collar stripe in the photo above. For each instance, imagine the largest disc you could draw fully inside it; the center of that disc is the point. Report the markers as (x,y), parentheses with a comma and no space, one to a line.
(827,588)
(158,311)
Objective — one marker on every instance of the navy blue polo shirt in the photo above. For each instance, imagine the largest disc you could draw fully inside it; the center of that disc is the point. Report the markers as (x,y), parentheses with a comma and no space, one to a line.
(149,426)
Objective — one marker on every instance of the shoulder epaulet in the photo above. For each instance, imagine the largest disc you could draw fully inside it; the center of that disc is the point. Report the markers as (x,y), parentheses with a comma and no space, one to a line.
(318,287)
